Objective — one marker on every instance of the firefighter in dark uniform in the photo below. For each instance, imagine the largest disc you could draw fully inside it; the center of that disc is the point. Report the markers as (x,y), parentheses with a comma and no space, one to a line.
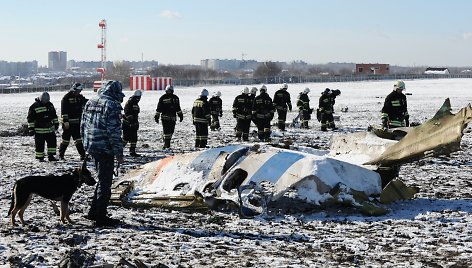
(167,110)
(42,123)
(395,110)
(130,123)
(252,96)
(216,110)
(326,108)
(201,119)
(263,112)
(304,109)
(282,102)
(72,105)
(242,111)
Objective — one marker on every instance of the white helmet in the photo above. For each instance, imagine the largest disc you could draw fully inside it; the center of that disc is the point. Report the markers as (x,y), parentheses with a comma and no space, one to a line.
(254,90)
(399,85)
(170,89)
(217,94)
(44,97)
(306,90)
(137,93)
(263,89)
(77,87)
(285,86)
(245,90)
(204,93)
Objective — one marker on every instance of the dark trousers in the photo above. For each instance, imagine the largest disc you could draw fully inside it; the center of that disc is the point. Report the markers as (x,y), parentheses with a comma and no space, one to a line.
(327,120)
(130,134)
(282,118)
(242,129)
(104,164)
(201,138)
(215,122)
(74,132)
(263,129)
(168,127)
(40,139)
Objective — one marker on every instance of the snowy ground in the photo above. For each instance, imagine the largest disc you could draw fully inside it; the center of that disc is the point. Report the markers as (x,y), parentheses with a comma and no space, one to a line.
(434,230)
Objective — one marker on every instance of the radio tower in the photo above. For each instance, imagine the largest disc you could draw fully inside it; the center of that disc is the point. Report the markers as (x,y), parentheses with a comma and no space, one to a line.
(102,46)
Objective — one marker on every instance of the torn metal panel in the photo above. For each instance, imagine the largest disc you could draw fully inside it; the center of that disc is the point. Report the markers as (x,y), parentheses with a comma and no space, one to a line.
(248,176)
(438,136)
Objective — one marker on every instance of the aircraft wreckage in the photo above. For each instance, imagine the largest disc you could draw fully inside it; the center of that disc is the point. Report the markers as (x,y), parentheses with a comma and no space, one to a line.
(358,170)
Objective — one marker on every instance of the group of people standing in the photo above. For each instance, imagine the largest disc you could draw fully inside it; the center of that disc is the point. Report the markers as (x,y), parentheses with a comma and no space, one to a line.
(101,128)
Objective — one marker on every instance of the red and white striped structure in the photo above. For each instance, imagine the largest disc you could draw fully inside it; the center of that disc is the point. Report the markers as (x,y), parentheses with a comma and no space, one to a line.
(146,82)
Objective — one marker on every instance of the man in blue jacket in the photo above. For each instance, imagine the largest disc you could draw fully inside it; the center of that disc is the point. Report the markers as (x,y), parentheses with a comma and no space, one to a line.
(101,133)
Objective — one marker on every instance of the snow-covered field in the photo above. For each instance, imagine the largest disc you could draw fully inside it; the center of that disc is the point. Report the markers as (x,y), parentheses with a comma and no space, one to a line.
(433,230)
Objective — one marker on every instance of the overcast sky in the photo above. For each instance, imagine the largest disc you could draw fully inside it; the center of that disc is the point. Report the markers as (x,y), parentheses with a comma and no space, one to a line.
(400,32)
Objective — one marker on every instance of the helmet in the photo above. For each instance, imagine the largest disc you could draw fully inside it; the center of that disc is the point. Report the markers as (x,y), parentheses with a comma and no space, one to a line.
(254,90)
(326,91)
(44,97)
(204,93)
(77,87)
(399,85)
(306,90)
(217,94)
(137,93)
(263,89)
(169,89)
(245,90)
(285,86)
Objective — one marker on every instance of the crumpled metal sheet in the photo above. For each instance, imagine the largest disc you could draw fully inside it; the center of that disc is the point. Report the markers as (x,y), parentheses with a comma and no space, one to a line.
(440,135)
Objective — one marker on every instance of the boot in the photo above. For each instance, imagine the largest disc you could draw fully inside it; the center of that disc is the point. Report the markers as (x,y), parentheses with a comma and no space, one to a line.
(52,158)
(166,144)
(80,149)
(62,150)
(132,152)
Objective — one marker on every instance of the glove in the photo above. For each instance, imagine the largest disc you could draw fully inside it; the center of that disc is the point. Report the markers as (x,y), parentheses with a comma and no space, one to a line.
(31,132)
(65,125)
(156,118)
(181,116)
(407,122)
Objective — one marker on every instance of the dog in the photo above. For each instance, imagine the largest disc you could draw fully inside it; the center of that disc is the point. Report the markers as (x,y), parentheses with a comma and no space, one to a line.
(52,187)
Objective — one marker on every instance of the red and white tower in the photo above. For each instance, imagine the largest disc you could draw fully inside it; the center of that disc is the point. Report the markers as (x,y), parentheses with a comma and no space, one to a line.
(102,46)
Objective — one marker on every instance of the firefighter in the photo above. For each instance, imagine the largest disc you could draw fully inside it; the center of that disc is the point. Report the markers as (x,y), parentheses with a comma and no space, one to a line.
(216,110)
(282,103)
(167,110)
(252,96)
(201,119)
(242,111)
(394,111)
(72,105)
(263,112)
(326,108)
(304,109)
(42,124)
(131,123)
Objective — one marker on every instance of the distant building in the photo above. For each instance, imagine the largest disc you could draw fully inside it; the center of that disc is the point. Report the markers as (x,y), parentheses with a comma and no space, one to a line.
(21,69)
(431,70)
(57,61)
(372,68)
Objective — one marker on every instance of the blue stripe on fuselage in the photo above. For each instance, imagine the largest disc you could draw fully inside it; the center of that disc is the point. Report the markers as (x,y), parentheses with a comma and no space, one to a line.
(276,166)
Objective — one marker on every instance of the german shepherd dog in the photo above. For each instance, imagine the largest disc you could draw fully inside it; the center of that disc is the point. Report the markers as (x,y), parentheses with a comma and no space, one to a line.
(52,187)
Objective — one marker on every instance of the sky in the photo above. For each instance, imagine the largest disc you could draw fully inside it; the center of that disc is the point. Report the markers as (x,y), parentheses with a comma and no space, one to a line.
(402,32)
